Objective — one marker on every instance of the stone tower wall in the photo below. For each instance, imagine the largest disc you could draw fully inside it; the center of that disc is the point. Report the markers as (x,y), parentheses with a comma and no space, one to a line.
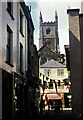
(49,39)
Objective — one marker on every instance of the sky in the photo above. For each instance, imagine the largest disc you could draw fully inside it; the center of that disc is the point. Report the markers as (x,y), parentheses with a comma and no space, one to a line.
(48,8)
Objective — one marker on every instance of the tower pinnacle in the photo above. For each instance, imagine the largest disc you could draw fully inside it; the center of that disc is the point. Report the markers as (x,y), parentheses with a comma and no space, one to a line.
(56,16)
(41,20)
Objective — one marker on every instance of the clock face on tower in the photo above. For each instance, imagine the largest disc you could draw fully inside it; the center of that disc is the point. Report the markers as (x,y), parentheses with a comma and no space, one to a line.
(48,31)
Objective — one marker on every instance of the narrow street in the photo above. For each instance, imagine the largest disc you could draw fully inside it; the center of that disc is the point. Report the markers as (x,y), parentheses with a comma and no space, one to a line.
(52,115)
(41,60)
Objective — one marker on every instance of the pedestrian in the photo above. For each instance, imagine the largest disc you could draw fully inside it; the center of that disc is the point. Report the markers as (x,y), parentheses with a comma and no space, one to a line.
(41,105)
(48,106)
(58,107)
(55,106)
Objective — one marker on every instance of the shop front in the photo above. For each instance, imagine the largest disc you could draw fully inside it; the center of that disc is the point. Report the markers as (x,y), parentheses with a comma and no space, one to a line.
(7,92)
(50,100)
(20,96)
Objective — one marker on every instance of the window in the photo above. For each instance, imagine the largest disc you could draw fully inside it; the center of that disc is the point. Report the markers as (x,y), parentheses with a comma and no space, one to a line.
(48,31)
(21,58)
(49,72)
(21,22)
(10,8)
(58,72)
(50,85)
(9,46)
(62,72)
(45,72)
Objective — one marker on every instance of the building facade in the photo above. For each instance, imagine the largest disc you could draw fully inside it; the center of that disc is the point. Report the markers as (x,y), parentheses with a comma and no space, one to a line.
(82,7)
(48,38)
(46,54)
(16,60)
(54,80)
(67,51)
(76,58)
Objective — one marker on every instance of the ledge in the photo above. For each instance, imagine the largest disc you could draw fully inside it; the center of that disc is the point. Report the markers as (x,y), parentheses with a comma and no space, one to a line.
(21,33)
(9,64)
(10,14)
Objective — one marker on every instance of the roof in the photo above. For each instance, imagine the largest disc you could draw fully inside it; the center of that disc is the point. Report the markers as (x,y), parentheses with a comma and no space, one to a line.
(71,10)
(45,46)
(52,64)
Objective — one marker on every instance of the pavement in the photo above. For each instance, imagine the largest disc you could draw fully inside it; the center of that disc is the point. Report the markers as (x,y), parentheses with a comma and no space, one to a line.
(53,115)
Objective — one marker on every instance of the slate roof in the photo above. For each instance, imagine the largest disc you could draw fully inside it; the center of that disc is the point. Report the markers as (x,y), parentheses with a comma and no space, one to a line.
(52,64)
(44,47)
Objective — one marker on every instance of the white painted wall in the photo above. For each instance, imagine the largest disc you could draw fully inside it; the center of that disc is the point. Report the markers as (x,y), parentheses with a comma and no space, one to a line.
(17,37)
(53,76)
(22,40)
(5,19)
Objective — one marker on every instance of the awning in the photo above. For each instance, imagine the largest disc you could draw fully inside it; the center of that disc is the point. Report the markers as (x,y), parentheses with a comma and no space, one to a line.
(53,96)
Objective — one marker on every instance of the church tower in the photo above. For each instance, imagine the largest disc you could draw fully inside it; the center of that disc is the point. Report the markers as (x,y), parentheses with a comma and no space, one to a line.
(48,34)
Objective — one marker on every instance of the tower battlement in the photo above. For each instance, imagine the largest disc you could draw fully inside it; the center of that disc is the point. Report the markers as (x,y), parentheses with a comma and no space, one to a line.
(48,34)
(48,40)
(49,22)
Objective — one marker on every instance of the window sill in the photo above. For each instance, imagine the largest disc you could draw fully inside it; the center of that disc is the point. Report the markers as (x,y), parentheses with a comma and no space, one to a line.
(10,14)
(21,33)
(9,64)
